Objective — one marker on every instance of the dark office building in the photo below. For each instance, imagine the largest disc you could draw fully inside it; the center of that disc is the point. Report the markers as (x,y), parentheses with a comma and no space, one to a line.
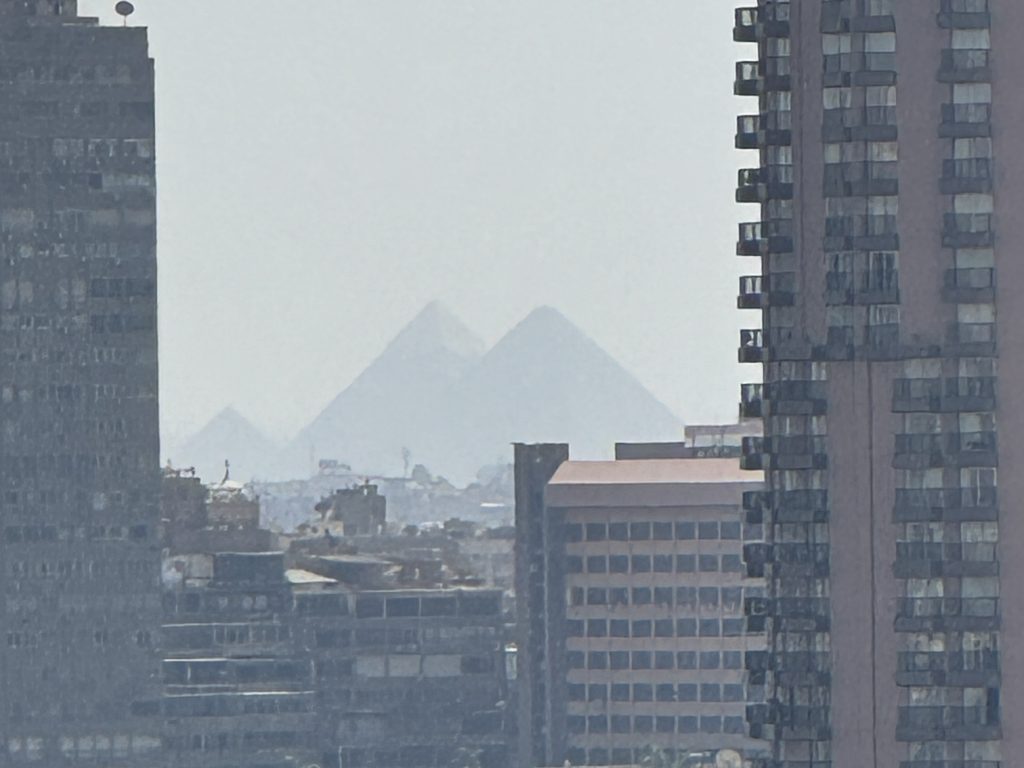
(79,469)
(890,172)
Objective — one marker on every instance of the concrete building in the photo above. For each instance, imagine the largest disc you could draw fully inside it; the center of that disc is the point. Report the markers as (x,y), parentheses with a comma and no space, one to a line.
(340,662)
(79,452)
(889,171)
(631,589)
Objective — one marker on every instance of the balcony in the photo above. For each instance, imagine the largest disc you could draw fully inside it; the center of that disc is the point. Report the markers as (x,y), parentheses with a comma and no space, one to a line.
(749,185)
(751,295)
(751,401)
(970,286)
(750,241)
(752,348)
(748,129)
(745,29)
(748,79)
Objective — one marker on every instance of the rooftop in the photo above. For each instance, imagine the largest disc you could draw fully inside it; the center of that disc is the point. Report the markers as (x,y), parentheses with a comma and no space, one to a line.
(654,472)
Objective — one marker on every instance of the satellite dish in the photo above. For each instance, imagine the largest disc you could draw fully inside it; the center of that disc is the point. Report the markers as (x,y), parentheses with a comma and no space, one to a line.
(124,8)
(728,758)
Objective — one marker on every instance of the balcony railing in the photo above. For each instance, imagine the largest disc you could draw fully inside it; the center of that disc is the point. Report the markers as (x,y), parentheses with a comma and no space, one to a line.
(751,401)
(750,240)
(748,78)
(751,295)
(745,29)
(748,129)
(752,346)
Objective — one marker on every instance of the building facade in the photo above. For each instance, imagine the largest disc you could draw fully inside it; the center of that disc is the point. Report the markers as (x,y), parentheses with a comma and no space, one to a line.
(633,633)
(889,173)
(79,452)
(268,667)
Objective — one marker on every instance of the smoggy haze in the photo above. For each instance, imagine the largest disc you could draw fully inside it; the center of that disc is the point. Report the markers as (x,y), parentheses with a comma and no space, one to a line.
(326,172)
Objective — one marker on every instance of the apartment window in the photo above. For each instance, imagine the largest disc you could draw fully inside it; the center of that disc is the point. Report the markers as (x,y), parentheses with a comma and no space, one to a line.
(731,530)
(732,627)
(710,660)
(597,564)
(708,597)
(732,692)
(710,692)
(732,598)
(686,563)
(620,724)
(708,563)
(734,725)
(664,659)
(688,725)
(597,660)
(640,531)
(685,531)
(618,564)
(662,531)
(618,596)
(686,660)
(687,692)
(662,563)
(597,532)
(708,530)
(641,596)
(665,724)
(618,532)
(732,564)
(732,660)
(620,691)
(663,595)
(642,628)
(711,724)
(619,659)
(641,660)
(686,627)
(710,628)
(596,596)
(597,724)
(641,563)
(643,724)
(597,628)
(619,628)
(643,692)
(664,628)
(686,597)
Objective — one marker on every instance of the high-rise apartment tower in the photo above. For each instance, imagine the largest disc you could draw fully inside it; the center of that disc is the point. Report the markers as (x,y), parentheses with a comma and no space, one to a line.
(889,135)
(79,463)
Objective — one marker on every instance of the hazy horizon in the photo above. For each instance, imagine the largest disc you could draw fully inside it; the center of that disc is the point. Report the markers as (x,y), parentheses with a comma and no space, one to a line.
(324,175)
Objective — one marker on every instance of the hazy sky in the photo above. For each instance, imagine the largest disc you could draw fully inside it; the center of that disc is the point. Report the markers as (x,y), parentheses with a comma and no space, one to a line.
(326,168)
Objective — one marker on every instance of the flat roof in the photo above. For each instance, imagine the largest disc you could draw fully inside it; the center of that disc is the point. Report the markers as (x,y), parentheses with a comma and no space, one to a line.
(651,483)
(654,471)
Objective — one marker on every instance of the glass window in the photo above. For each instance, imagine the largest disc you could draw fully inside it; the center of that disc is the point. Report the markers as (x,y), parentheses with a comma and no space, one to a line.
(686,563)
(596,596)
(663,563)
(665,724)
(576,724)
(597,628)
(732,660)
(619,659)
(708,529)
(686,627)
(686,659)
(732,564)
(664,659)
(710,692)
(664,628)
(643,692)
(732,692)
(597,660)
(710,628)
(641,595)
(687,692)
(732,627)
(663,595)
(708,563)
(642,628)
(597,564)
(685,531)
(641,659)
(619,628)
(618,532)
(711,724)
(618,596)
(708,597)
(643,724)
(597,693)
(618,564)
(710,660)
(640,531)
(734,725)
(662,531)
(641,563)
(597,531)
(620,691)
(620,724)
(731,530)
(577,692)
(597,724)
(665,692)
(687,724)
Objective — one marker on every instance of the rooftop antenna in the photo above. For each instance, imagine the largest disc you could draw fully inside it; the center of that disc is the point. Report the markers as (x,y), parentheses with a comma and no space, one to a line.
(124,9)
